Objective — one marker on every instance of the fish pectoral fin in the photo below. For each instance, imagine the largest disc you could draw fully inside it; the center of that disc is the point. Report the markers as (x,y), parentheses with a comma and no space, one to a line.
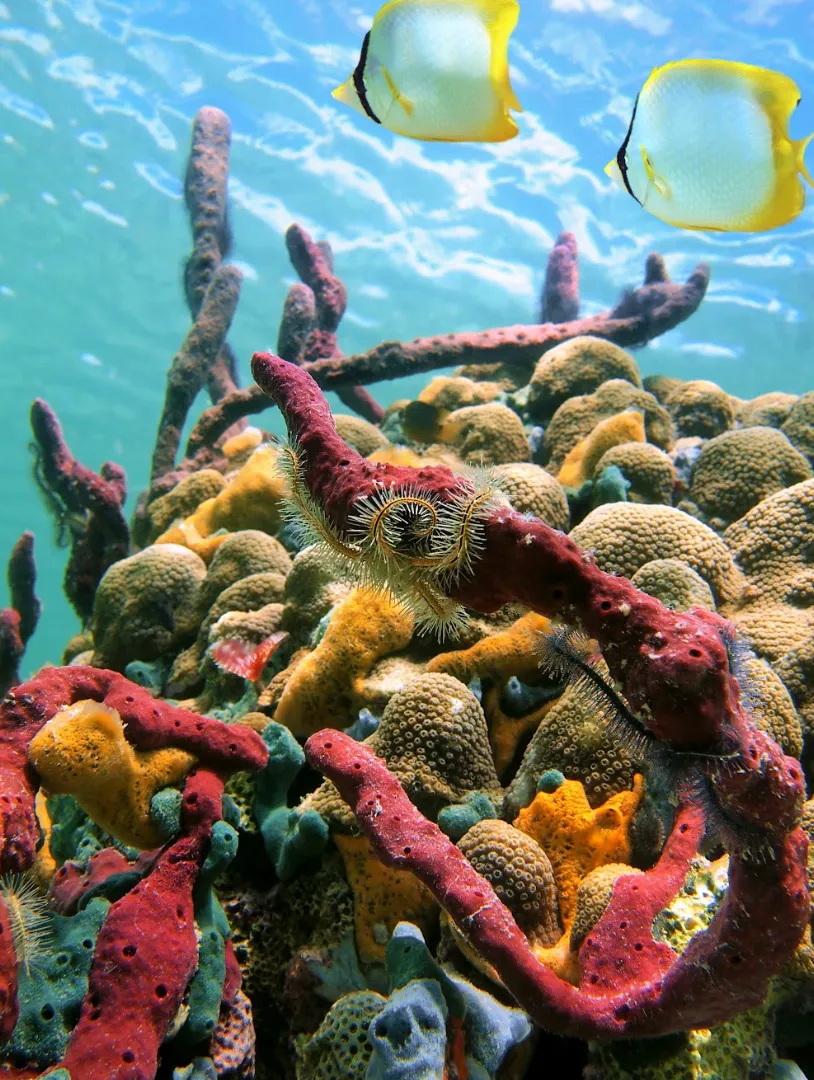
(402,99)
(658,182)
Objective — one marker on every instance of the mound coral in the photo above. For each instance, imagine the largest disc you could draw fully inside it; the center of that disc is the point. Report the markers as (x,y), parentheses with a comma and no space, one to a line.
(625,536)
(578,366)
(737,469)
(700,408)
(577,417)
(486,434)
(146,605)
(581,463)
(250,500)
(533,490)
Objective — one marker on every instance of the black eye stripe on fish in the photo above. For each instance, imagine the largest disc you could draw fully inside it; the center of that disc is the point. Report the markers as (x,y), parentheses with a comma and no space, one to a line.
(621,155)
(359,80)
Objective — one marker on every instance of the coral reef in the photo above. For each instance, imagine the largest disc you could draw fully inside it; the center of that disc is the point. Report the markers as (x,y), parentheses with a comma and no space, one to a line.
(545,633)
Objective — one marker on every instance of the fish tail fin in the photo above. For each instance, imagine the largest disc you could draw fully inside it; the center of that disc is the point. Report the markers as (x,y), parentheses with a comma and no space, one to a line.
(500,18)
(800,152)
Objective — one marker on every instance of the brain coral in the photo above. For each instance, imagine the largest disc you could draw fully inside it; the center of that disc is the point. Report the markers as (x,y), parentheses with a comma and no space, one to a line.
(434,738)
(179,503)
(575,741)
(739,468)
(770,704)
(701,408)
(677,585)
(649,471)
(581,461)
(519,871)
(449,392)
(774,546)
(311,590)
(577,366)
(339,1049)
(799,425)
(533,490)
(767,410)
(146,605)
(593,896)
(625,536)
(486,434)
(578,416)
(241,554)
(360,434)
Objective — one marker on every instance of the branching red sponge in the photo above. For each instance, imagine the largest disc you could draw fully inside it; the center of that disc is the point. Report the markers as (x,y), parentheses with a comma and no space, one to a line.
(149,724)
(146,953)
(630,985)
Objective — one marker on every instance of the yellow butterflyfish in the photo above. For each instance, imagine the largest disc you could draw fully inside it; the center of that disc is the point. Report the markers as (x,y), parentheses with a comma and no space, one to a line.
(708,147)
(438,70)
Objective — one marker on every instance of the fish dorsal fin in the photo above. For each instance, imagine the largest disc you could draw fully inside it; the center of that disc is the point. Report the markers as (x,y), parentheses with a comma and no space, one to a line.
(658,182)
(402,99)
(500,18)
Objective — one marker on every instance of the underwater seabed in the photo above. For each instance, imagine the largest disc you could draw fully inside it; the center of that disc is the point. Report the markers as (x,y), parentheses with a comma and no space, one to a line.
(467,738)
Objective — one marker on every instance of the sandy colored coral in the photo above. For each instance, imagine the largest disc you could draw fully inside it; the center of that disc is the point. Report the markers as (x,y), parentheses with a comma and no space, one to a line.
(774,546)
(578,366)
(649,471)
(450,392)
(577,838)
(182,501)
(241,554)
(675,583)
(593,896)
(770,704)
(738,469)
(576,742)
(433,736)
(661,386)
(514,651)
(582,460)
(799,425)
(146,605)
(766,410)
(576,418)
(252,499)
(486,434)
(360,434)
(311,590)
(382,897)
(531,489)
(327,687)
(701,408)
(738,1049)
(519,871)
(83,752)
(625,536)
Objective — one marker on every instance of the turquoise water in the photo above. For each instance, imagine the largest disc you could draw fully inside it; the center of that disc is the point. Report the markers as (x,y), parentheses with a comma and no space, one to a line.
(96,100)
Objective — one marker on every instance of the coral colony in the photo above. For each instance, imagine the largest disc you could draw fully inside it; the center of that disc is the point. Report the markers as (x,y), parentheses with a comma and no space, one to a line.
(434,732)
